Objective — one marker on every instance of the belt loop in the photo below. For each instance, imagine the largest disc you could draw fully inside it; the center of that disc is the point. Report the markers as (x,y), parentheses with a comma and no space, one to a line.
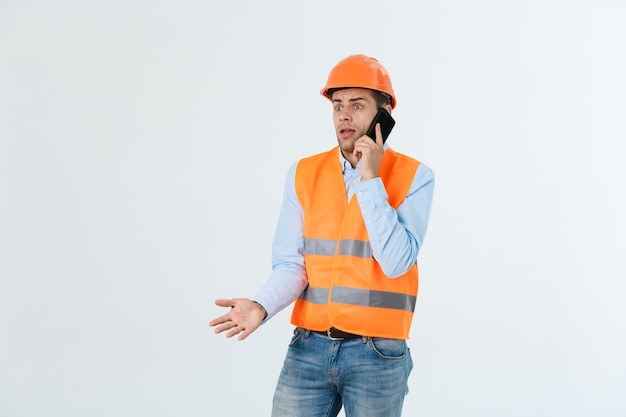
(330,336)
(305,333)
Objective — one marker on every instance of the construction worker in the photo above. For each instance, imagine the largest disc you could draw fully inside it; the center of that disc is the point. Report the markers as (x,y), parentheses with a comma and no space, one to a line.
(352,222)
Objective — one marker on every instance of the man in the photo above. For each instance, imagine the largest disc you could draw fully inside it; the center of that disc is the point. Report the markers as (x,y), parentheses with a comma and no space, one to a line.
(345,250)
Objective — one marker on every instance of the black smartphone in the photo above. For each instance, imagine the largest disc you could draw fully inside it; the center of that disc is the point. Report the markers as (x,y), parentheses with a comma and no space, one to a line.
(386,124)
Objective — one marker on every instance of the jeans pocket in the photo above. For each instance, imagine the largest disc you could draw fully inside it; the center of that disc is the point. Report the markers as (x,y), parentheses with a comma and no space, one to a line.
(391,349)
(297,335)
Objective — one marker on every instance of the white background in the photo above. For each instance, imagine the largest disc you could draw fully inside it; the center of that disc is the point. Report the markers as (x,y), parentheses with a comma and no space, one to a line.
(143,150)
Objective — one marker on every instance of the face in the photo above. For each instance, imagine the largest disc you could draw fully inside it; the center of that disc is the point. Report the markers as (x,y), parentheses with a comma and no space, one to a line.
(353,112)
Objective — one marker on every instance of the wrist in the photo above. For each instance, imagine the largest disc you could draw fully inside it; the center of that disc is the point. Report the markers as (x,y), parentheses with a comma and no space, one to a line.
(368,177)
(262,309)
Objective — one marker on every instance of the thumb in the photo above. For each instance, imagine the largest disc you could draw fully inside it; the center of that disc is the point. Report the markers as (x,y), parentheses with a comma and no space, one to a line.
(222,302)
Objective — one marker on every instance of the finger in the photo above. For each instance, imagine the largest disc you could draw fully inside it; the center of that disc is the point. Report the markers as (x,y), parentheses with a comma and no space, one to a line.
(226,326)
(216,321)
(222,319)
(234,331)
(360,145)
(379,134)
(243,335)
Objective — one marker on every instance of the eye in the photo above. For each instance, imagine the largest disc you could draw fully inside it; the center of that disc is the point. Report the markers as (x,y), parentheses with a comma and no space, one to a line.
(357,107)
(338,108)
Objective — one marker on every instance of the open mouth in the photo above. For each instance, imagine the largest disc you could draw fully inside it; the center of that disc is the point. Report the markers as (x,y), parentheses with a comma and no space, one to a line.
(346,132)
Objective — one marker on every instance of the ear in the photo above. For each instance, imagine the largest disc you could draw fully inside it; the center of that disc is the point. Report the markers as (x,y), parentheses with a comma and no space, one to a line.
(387,107)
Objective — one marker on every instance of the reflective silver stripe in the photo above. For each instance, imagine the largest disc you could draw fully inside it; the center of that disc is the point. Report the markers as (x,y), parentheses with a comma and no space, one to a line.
(322,247)
(348,247)
(358,248)
(370,298)
(315,295)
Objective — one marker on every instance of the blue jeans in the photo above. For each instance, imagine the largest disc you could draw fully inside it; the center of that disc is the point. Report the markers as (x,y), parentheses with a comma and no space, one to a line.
(368,376)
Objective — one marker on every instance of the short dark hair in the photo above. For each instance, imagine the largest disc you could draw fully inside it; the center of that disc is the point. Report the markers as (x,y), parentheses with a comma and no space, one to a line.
(381,99)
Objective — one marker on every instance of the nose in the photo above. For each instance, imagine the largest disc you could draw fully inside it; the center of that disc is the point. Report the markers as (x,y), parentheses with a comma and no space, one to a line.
(344,114)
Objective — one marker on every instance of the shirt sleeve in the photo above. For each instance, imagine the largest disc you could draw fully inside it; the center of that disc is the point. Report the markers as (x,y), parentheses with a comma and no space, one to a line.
(396,236)
(288,277)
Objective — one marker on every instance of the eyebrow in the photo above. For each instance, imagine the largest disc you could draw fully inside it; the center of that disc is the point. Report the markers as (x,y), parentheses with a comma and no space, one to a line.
(336,100)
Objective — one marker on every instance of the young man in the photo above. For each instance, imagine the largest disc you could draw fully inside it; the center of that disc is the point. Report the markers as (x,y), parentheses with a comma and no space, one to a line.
(352,223)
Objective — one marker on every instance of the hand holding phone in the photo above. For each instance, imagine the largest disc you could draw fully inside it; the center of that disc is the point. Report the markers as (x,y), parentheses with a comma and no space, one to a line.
(386,124)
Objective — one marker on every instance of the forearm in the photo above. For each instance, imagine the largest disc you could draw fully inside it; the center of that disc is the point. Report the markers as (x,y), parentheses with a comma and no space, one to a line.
(284,285)
(288,278)
(396,236)
(393,246)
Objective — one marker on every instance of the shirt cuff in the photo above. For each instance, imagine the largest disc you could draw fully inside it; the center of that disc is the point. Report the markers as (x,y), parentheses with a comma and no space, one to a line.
(371,194)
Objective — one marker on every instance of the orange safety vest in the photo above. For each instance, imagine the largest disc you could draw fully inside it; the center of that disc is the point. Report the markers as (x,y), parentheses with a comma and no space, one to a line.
(347,288)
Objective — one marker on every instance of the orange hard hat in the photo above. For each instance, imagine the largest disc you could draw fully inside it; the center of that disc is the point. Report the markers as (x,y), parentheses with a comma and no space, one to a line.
(359,71)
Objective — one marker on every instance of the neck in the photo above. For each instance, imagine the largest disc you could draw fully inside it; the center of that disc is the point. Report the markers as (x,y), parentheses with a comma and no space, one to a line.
(350,158)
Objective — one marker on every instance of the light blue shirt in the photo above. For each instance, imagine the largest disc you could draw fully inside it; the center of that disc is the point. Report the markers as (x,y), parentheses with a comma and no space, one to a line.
(396,236)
